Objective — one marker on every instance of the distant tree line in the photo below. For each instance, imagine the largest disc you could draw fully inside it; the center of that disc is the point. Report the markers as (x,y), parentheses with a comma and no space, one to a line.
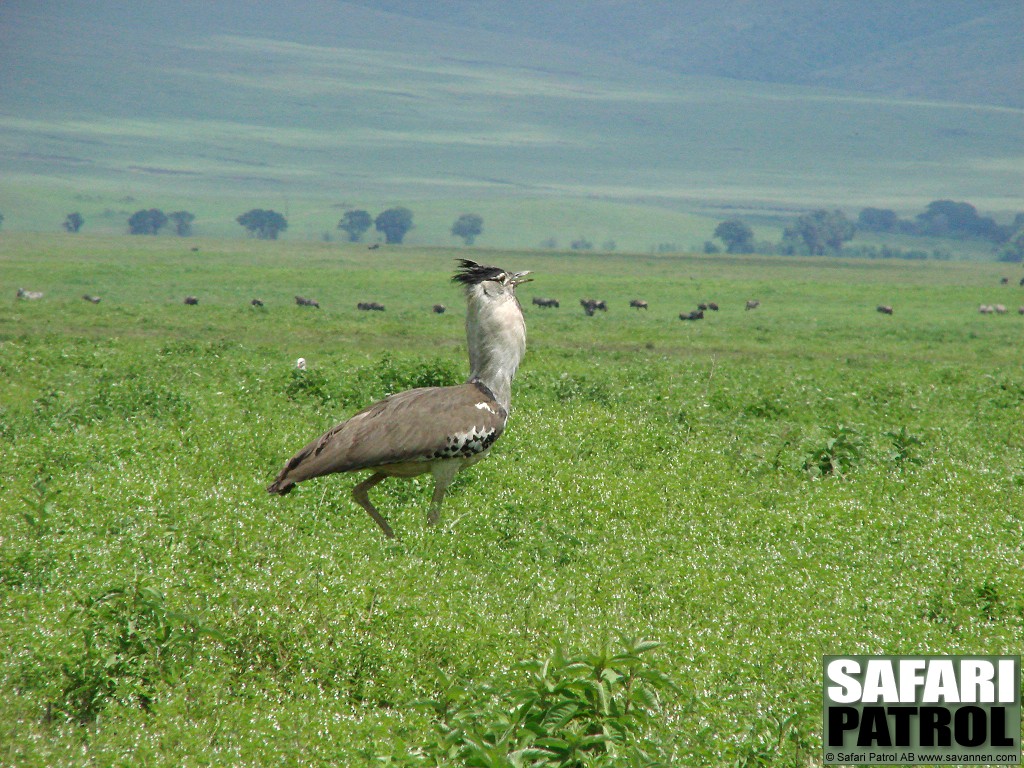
(816,233)
(823,232)
(145,222)
(395,223)
(262,224)
(941,218)
(952,219)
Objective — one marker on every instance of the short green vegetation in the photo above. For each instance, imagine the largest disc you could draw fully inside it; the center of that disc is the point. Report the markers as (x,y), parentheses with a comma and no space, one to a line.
(679,521)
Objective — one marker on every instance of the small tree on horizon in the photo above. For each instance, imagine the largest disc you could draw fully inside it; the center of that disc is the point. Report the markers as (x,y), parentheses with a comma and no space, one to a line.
(263,224)
(394,223)
(182,222)
(73,222)
(1013,249)
(468,226)
(355,224)
(878,220)
(737,236)
(817,233)
(147,222)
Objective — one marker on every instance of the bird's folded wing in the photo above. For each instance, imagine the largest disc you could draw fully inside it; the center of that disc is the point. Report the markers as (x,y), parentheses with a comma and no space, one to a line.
(416,425)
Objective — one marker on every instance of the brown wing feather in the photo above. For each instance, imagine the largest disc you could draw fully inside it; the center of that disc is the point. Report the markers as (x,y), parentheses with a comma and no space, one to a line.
(416,425)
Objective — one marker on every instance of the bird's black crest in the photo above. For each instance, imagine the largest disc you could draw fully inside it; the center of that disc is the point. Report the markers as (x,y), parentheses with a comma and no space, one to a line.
(471,273)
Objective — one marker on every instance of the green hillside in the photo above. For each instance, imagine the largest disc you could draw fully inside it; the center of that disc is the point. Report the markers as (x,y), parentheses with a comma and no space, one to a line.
(325,105)
(960,52)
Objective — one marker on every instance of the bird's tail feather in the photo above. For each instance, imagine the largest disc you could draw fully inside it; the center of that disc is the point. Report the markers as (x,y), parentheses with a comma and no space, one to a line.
(280,486)
(283,483)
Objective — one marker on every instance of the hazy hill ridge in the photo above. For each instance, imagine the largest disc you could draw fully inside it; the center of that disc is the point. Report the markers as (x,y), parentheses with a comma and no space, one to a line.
(659,109)
(949,51)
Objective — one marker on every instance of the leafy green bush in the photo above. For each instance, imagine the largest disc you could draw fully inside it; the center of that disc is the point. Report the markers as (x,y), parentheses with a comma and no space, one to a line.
(838,455)
(310,384)
(905,447)
(592,709)
(130,643)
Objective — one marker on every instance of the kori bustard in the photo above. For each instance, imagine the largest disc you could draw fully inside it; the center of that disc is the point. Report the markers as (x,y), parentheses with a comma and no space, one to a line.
(440,430)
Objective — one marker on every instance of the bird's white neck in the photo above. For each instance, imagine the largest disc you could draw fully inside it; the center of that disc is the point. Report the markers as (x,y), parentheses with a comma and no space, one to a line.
(496,336)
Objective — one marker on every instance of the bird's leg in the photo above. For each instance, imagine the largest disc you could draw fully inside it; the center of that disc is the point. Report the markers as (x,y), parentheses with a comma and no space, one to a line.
(444,473)
(359,493)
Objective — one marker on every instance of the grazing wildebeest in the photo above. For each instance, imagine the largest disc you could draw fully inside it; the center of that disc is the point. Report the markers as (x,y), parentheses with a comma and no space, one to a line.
(302,301)
(191,300)
(1004,281)
(257,302)
(29,295)
(370,306)
(697,314)
(712,306)
(1021,310)
(547,303)
(986,309)
(374,247)
(1022,282)
(92,299)
(999,309)
(885,309)
(440,309)
(194,249)
(753,304)
(638,304)
(590,305)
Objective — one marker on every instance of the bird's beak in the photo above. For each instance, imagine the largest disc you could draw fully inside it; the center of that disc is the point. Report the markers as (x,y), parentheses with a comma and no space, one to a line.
(520,277)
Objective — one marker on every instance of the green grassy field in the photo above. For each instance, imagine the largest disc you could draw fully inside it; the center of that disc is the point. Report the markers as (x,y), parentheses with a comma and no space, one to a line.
(752,491)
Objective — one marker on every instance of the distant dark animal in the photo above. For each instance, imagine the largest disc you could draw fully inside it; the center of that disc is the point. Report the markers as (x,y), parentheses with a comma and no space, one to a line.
(885,309)
(1021,310)
(257,302)
(1004,281)
(638,304)
(374,247)
(302,301)
(712,306)
(440,309)
(29,295)
(591,305)
(753,304)
(1022,282)
(194,249)
(697,314)
(92,299)
(999,309)
(547,303)
(986,309)
(191,300)
(370,306)
(702,306)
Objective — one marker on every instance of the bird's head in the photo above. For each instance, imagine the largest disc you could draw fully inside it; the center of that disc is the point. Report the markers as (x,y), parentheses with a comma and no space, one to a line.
(491,282)
(495,328)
